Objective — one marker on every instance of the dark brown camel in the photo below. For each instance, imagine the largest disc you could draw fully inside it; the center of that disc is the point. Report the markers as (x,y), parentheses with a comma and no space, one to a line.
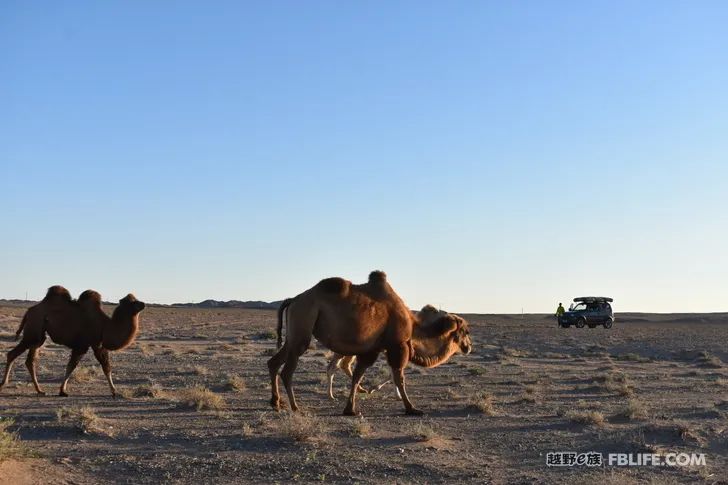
(361,320)
(79,325)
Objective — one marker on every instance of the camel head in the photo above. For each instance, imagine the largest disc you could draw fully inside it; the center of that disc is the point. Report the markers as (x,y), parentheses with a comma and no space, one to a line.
(129,306)
(124,323)
(437,336)
(456,331)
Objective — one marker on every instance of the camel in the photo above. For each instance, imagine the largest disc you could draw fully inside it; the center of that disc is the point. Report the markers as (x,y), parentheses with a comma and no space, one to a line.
(431,349)
(349,319)
(79,325)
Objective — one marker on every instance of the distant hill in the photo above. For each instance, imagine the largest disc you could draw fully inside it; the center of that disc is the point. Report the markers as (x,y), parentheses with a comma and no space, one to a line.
(261,305)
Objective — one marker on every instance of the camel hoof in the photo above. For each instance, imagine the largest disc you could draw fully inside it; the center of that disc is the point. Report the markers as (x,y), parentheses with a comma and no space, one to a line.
(414,412)
(275,404)
(350,412)
(63,394)
(41,393)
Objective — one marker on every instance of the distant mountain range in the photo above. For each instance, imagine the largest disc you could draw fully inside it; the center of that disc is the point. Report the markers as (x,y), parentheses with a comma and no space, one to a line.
(261,305)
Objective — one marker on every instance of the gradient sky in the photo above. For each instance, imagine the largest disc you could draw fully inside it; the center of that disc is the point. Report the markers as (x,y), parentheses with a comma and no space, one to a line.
(489,156)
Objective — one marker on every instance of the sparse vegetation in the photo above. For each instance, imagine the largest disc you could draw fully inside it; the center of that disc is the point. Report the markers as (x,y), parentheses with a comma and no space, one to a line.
(234,383)
(424,431)
(85,374)
(708,361)
(199,398)
(149,390)
(585,417)
(84,419)
(634,409)
(301,427)
(10,446)
(483,403)
(361,428)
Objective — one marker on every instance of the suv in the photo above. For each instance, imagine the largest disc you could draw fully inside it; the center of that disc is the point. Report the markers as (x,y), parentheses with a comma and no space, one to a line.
(588,310)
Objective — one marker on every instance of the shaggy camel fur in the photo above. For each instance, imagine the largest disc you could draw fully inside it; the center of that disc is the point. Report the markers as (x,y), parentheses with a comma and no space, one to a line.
(361,320)
(78,324)
(431,349)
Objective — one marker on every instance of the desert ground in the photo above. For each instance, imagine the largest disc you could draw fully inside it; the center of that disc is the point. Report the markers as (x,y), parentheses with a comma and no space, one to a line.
(195,390)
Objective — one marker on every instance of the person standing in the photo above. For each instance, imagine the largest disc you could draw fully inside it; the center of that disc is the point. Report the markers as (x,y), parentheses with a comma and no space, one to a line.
(559,311)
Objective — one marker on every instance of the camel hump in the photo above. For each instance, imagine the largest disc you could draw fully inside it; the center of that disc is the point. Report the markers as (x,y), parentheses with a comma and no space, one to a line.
(59,292)
(337,286)
(90,296)
(377,277)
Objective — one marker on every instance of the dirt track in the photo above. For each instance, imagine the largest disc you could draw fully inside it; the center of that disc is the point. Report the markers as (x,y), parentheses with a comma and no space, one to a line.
(543,380)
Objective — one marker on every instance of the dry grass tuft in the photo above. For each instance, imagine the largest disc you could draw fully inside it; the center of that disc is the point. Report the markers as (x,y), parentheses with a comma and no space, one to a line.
(361,428)
(708,361)
(83,419)
(201,370)
(424,432)
(149,390)
(300,427)
(585,417)
(85,374)
(483,403)
(199,398)
(634,409)
(234,383)
(615,382)
(10,446)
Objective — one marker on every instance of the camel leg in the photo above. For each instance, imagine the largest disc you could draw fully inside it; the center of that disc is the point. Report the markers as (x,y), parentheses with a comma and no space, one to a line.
(289,368)
(102,355)
(331,370)
(30,364)
(363,362)
(275,363)
(12,355)
(347,363)
(398,359)
(76,356)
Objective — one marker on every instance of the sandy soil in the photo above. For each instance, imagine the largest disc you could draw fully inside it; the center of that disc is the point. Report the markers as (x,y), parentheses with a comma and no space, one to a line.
(659,382)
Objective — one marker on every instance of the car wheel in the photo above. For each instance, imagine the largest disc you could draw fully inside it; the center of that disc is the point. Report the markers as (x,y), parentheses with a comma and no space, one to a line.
(608,324)
(580,323)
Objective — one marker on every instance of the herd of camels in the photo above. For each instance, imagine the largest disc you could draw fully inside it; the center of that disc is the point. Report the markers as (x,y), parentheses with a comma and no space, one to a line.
(356,322)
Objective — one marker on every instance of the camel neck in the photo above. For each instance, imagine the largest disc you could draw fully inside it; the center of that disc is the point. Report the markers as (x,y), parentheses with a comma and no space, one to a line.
(120,331)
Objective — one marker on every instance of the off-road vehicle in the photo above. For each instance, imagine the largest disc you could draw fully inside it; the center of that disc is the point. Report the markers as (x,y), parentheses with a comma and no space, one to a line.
(588,310)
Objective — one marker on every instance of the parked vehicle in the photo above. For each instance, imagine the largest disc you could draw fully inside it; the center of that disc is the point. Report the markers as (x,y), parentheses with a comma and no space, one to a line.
(588,311)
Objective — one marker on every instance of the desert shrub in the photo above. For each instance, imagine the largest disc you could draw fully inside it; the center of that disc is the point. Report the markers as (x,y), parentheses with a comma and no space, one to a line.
(482,402)
(585,417)
(424,432)
(300,427)
(10,446)
(83,419)
(199,398)
(234,383)
(634,409)
(360,428)
(708,361)
(85,374)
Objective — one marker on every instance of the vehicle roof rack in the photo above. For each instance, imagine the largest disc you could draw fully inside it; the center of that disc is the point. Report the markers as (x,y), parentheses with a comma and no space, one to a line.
(593,299)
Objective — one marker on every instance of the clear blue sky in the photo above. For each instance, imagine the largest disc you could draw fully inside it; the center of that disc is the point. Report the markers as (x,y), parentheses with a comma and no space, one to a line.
(488,156)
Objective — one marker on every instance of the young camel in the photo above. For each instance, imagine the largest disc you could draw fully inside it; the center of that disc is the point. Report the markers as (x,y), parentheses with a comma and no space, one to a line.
(361,320)
(431,348)
(78,324)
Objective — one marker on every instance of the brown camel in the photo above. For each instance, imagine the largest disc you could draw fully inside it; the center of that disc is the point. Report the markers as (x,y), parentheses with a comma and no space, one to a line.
(430,347)
(79,325)
(361,320)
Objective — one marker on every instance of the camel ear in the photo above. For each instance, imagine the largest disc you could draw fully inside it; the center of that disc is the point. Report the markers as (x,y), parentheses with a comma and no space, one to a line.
(446,325)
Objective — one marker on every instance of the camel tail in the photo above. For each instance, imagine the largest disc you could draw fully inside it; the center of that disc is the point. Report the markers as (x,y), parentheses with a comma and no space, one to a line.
(20,329)
(281,310)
